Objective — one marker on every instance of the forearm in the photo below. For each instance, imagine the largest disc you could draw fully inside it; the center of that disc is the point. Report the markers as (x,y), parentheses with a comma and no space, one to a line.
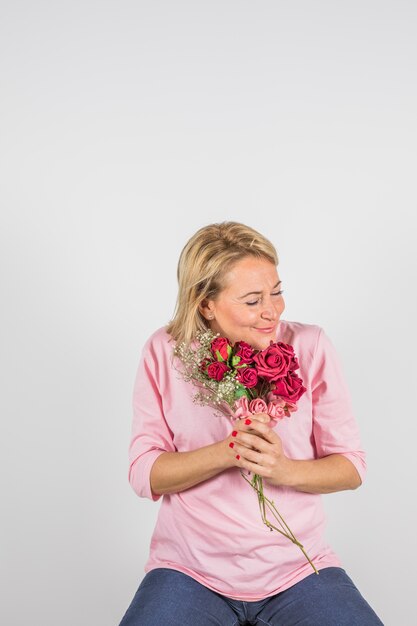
(176,471)
(326,475)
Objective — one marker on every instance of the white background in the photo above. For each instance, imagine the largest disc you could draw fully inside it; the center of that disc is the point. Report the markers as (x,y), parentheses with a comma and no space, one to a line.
(125,127)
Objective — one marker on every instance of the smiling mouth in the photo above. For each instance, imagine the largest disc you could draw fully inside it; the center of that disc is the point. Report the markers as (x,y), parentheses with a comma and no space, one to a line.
(266,330)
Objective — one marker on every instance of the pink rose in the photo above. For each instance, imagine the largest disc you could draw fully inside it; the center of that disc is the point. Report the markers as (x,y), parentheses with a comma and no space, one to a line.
(289,388)
(271,397)
(257,405)
(291,407)
(247,376)
(223,346)
(276,409)
(242,408)
(272,363)
(217,370)
(244,351)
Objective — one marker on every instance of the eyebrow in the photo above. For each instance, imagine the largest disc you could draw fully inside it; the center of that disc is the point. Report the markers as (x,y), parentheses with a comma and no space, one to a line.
(258,292)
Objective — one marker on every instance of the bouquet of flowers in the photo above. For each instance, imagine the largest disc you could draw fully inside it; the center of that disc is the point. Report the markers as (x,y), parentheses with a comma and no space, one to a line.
(239,381)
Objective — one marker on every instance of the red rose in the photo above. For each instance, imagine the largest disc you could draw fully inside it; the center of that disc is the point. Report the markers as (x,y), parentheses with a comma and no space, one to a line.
(288,352)
(247,376)
(245,351)
(217,370)
(290,387)
(272,363)
(223,346)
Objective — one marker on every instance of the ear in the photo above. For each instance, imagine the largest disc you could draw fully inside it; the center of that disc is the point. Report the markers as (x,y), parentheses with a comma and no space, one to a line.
(206,309)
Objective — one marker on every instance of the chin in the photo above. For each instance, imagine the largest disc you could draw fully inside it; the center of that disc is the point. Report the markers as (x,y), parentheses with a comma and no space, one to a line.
(260,343)
(264,343)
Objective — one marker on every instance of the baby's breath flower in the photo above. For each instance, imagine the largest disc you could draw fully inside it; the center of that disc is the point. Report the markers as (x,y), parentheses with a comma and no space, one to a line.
(192,358)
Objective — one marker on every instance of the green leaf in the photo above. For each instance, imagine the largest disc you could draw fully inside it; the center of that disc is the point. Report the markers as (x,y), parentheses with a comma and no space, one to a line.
(219,356)
(240,392)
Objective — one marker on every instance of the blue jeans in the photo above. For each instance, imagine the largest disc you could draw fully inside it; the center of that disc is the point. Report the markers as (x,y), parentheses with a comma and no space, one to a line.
(169,597)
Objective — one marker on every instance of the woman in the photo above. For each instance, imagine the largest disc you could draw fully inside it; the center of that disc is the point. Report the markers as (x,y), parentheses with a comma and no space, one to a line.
(212,560)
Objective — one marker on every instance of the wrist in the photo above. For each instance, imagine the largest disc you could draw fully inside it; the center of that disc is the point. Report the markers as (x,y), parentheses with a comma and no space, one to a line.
(289,473)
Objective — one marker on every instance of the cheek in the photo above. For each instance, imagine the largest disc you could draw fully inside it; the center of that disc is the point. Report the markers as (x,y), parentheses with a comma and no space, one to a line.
(240,317)
(247,317)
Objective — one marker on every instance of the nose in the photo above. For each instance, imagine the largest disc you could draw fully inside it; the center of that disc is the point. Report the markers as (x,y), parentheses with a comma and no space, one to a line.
(269,312)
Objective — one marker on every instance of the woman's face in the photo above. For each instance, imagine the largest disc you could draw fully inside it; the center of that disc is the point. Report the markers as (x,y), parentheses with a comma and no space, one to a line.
(250,305)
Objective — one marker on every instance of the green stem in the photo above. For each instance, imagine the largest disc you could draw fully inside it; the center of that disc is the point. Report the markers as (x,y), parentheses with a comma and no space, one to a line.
(263,498)
(257,485)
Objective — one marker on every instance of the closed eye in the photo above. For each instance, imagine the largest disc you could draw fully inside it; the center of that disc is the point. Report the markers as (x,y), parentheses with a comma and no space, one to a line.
(278,293)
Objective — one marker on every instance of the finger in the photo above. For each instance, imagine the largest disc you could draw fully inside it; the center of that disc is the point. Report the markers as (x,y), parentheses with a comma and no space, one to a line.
(249,455)
(238,430)
(244,428)
(259,417)
(235,440)
(241,427)
(255,468)
(252,441)
(263,430)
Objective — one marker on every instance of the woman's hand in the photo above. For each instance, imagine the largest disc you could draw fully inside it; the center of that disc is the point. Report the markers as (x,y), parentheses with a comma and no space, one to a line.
(259,449)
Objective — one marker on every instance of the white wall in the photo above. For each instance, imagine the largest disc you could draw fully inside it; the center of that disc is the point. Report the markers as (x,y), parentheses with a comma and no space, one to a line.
(125,126)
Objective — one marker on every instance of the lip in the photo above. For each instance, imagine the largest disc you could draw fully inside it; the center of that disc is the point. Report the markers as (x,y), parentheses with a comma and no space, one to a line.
(266,330)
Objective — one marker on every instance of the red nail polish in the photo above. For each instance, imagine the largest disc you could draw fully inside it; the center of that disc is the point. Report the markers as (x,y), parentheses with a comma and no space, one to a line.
(248,421)
(238,456)
(234,433)
(231,444)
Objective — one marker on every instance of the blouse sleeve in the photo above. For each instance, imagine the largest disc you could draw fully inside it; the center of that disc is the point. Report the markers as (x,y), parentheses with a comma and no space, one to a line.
(151,435)
(334,426)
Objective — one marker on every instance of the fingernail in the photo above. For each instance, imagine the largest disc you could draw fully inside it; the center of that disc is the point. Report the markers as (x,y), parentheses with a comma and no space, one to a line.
(234,433)
(238,456)
(231,444)
(248,421)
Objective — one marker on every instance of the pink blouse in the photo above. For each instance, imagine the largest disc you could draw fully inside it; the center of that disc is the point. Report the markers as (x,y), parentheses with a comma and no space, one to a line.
(214,531)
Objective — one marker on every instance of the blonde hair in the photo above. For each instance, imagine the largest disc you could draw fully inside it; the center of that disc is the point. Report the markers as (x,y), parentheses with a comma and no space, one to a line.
(203,264)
